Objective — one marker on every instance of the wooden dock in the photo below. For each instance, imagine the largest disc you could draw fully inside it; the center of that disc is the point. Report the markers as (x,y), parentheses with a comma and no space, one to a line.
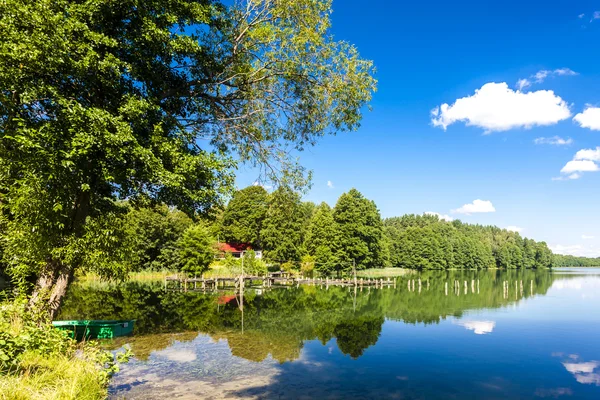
(215,283)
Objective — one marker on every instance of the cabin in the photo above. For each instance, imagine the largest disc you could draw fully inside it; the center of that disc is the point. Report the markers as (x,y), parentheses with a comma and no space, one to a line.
(237,250)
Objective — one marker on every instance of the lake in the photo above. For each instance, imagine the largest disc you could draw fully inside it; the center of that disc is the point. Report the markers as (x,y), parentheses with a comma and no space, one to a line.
(458,335)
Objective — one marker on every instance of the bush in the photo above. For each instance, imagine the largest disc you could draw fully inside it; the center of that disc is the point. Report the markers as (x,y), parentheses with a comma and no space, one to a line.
(253,265)
(196,250)
(307,266)
(38,361)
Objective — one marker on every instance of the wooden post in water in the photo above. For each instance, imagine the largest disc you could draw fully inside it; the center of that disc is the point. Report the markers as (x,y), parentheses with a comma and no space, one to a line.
(466,287)
(473,286)
(531,289)
(446,286)
(477,286)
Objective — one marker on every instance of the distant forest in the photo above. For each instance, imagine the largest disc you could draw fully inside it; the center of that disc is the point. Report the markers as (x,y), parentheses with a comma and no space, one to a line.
(299,235)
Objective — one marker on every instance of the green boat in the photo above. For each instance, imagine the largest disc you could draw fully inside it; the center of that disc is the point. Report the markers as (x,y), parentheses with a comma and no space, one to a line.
(95,329)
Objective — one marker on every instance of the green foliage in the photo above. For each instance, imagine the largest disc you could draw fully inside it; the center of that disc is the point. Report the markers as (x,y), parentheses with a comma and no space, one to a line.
(104,100)
(282,232)
(288,267)
(322,239)
(196,250)
(252,265)
(360,231)
(244,216)
(41,362)
(430,243)
(560,260)
(307,265)
(22,332)
(153,234)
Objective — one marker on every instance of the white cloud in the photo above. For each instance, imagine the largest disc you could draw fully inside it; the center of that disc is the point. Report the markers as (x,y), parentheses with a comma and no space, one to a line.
(477,206)
(588,154)
(584,372)
(589,118)
(330,184)
(572,176)
(523,83)
(576,250)
(178,355)
(579,166)
(581,16)
(479,327)
(583,161)
(541,76)
(496,107)
(554,140)
(513,228)
(266,187)
(596,15)
(587,237)
(440,216)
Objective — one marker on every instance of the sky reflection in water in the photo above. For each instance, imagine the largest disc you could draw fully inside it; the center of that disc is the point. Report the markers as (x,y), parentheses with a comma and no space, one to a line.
(491,342)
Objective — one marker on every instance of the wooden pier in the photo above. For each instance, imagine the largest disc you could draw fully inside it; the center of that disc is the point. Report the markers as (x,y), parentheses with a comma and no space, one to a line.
(215,283)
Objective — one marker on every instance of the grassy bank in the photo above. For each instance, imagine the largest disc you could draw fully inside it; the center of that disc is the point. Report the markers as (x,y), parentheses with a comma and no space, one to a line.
(39,362)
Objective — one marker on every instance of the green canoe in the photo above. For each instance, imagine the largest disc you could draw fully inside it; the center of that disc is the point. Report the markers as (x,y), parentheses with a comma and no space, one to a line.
(95,329)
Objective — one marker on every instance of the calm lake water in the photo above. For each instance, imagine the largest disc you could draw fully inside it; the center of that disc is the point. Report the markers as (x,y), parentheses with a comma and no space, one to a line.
(503,335)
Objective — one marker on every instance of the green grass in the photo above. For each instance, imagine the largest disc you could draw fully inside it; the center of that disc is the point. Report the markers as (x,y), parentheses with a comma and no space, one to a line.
(383,272)
(43,377)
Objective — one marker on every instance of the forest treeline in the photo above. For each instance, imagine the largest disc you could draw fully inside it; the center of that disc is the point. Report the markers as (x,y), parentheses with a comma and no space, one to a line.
(561,260)
(301,235)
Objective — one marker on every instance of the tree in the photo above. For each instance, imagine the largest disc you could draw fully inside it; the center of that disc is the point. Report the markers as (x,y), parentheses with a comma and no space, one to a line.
(360,231)
(153,234)
(109,100)
(196,250)
(244,216)
(282,232)
(322,239)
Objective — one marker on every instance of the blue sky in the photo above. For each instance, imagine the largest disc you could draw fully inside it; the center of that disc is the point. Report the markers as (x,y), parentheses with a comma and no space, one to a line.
(431,53)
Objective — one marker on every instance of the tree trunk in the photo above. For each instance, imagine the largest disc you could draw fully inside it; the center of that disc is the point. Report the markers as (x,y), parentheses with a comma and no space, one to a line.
(50,288)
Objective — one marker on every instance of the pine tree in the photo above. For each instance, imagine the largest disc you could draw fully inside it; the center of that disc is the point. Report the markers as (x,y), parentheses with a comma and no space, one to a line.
(322,239)
(282,229)
(361,231)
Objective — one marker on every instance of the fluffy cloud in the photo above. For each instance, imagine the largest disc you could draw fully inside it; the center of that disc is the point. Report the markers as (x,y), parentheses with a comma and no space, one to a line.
(588,154)
(579,166)
(477,206)
(584,372)
(479,327)
(589,118)
(587,237)
(496,107)
(583,161)
(440,216)
(554,140)
(576,250)
(330,184)
(513,228)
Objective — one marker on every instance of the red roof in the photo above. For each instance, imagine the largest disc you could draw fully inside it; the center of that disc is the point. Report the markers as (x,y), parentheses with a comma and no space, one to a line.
(234,247)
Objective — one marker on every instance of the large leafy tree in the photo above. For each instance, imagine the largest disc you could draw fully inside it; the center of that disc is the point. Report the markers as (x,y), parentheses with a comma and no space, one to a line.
(195,250)
(152,236)
(244,216)
(360,231)
(103,100)
(282,231)
(322,239)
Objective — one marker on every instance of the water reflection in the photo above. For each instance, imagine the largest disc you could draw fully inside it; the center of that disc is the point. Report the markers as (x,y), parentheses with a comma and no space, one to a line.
(486,334)
(479,327)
